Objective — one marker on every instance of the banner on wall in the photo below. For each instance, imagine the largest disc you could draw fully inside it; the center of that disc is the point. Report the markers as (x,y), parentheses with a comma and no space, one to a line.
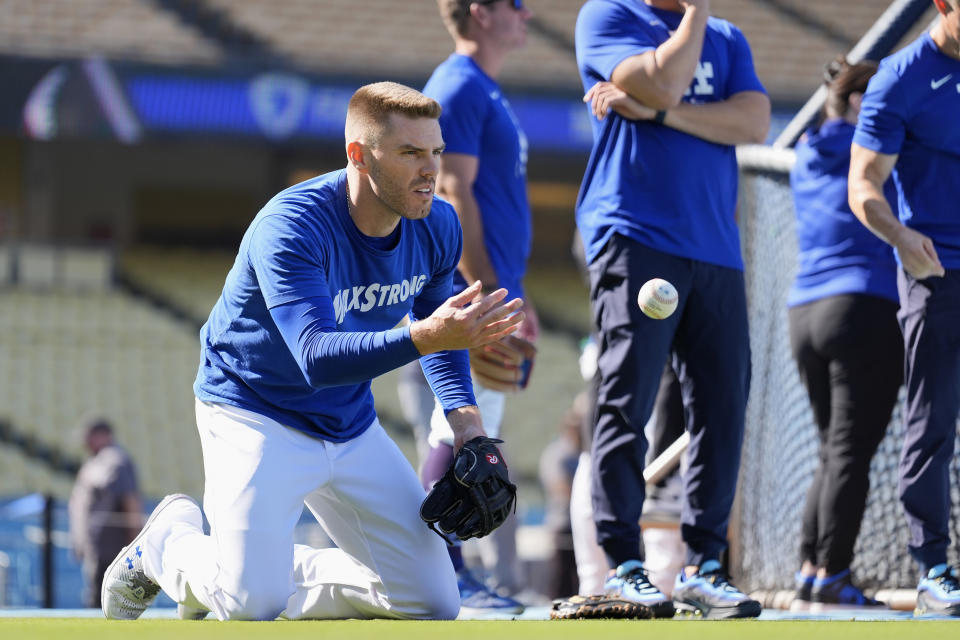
(129,103)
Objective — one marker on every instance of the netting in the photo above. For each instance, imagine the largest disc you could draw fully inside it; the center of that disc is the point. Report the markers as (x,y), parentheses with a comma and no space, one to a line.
(780,445)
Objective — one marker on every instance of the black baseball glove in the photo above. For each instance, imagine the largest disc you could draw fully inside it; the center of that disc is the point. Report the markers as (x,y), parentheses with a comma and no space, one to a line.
(474,496)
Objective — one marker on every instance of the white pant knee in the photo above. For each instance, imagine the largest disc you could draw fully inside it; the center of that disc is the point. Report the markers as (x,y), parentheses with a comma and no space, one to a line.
(442,606)
(254,604)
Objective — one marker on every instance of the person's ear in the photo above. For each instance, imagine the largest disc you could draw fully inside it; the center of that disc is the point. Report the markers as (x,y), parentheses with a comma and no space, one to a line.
(356,155)
(480,13)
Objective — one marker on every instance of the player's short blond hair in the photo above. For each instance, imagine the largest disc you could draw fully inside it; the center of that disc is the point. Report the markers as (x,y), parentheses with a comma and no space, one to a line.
(455,15)
(369,110)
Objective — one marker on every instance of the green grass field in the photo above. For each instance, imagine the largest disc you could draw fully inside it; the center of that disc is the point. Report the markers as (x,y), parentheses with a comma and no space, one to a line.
(87,629)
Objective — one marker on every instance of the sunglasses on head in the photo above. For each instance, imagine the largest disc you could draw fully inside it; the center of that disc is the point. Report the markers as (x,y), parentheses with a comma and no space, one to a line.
(516,4)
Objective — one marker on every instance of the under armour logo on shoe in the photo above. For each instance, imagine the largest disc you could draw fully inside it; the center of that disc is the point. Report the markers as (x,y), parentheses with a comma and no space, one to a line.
(129,563)
(492,459)
(139,552)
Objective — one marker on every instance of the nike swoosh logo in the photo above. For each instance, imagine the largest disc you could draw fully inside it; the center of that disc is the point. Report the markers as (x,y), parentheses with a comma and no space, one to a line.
(936,84)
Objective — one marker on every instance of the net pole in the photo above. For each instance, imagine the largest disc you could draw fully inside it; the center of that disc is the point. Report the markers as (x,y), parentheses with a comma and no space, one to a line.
(876,43)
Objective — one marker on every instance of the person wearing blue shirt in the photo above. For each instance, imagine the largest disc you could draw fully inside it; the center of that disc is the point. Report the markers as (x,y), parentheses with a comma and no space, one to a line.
(311,311)
(658,199)
(845,339)
(483,174)
(908,128)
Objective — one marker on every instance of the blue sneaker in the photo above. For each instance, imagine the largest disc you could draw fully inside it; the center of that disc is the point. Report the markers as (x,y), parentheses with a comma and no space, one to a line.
(803,595)
(477,598)
(708,594)
(939,592)
(632,582)
(837,592)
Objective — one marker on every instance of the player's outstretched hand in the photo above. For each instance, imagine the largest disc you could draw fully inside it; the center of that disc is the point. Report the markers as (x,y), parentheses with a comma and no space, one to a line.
(467,320)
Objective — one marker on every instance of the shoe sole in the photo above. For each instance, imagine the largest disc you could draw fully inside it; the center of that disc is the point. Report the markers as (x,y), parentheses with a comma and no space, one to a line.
(597,607)
(166,502)
(925,610)
(699,611)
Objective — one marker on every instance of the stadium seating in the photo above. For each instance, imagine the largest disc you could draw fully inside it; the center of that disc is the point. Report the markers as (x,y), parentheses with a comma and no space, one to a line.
(791,39)
(66,354)
(128,29)
(187,278)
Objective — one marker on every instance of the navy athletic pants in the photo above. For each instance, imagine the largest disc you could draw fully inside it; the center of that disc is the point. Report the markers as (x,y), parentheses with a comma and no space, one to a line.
(930,320)
(708,334)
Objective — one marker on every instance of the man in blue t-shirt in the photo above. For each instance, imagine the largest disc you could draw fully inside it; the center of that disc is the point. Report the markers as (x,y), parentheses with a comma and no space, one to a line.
(672,91)
(311,311)
(908,127)
(483,174)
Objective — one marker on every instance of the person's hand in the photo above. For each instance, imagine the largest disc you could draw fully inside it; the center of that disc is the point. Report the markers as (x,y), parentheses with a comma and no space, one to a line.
(699,4)
(500,365)
(467,320)
(604,97)
(917,254)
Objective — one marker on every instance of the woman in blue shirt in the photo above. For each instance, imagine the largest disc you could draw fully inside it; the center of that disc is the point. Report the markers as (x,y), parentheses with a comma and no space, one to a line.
(845,339)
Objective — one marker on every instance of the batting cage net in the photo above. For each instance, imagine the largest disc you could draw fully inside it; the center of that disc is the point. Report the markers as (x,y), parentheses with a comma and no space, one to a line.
(781,443)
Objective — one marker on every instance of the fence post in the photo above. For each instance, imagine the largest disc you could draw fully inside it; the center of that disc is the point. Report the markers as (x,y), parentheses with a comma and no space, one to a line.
(48,503)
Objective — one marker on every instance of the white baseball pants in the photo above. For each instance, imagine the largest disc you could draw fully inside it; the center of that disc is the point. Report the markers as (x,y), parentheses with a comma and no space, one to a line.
(365,495)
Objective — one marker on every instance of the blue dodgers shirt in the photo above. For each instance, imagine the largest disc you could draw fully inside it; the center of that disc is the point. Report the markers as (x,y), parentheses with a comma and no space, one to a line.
(911,108)
(661,187)
(837,254)
(477,120)
(303,245)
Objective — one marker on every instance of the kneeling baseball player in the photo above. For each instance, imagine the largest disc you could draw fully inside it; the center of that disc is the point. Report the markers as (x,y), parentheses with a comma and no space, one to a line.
(307,317)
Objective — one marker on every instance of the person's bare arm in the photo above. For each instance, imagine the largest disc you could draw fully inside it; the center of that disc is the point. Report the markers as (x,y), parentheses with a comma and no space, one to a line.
(743,118)
(869,171)
(458,172)
(466,424)
(659,78)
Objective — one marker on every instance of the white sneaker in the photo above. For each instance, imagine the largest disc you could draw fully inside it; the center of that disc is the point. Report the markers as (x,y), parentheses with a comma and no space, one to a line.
(127,591)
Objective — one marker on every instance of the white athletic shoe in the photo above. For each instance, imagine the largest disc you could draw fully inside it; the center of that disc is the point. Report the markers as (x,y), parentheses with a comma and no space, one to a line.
(127,591)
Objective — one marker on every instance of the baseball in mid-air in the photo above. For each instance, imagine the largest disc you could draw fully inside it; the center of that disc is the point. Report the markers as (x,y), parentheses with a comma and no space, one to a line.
(657,298)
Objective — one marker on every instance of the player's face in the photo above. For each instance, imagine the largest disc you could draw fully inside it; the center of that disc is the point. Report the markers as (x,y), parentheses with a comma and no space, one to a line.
(952,21)
(403,166)
(509,22)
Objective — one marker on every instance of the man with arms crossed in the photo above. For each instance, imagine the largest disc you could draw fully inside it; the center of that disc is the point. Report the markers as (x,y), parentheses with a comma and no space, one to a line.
(306,319)
(483,175)
(908,126)
(658,200)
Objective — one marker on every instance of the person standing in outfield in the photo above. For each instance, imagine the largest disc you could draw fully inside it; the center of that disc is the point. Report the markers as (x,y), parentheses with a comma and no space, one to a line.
(845,339)
(908,127)
(658,200)
(307,317)
(483,175)
(105,508)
